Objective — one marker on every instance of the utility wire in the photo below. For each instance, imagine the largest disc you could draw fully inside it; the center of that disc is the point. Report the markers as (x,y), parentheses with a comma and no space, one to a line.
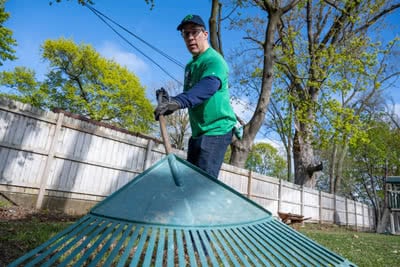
(137,37)
(102,17)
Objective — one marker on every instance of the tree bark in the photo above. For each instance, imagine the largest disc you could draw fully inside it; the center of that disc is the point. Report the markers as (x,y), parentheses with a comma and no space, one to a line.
(332,168)
(241,148)
(214,23)
(382,221)
(339,169)
(303,154)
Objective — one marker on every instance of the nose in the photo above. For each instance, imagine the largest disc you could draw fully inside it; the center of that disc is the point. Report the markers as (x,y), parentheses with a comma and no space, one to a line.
(190,35)
(189,38)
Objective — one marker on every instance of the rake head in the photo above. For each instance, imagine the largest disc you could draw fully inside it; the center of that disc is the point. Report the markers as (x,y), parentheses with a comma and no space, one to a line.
(154,221)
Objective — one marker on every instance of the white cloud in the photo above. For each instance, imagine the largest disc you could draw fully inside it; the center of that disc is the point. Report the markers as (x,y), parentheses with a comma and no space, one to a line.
(127,59)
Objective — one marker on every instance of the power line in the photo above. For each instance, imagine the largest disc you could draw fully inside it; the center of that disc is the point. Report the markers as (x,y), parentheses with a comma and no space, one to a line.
(103,18)
(137,37)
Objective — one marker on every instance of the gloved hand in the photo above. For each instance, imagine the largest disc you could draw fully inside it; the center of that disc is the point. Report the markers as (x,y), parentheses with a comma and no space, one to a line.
(162,95)
(166,108)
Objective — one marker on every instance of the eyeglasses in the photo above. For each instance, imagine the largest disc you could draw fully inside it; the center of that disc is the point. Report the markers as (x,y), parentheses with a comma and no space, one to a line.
(194,33)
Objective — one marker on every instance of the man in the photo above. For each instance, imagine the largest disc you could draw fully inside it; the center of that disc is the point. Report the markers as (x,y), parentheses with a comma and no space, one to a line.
(206,96)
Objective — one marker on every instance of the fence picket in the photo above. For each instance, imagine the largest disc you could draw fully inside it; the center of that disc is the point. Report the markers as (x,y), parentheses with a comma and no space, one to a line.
(76,157)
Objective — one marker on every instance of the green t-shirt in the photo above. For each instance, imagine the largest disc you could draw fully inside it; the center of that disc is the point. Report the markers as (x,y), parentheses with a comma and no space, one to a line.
(214,116)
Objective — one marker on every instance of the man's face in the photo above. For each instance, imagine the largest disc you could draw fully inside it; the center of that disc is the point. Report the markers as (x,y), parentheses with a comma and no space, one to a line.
(195,38)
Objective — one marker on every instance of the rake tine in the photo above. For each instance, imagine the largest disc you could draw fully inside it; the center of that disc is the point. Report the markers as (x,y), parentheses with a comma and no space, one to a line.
(139,248)
(129,246)
(106,246)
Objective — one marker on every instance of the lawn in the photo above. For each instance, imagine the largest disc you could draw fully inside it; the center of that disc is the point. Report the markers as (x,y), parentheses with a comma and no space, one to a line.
(363,249)
(19,234)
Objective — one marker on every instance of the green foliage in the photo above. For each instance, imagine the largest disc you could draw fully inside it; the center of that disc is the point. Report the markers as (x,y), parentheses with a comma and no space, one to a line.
(81,81)
(6,41)
(371,158)
(264,159)
(381,149)
(96,87)
(24,86)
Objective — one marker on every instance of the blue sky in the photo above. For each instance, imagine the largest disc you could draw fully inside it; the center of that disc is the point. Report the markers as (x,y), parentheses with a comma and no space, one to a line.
(32,22)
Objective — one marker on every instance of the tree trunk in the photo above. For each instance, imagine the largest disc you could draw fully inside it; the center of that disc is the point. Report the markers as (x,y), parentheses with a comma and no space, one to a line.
(241,148)
(289,148)
(332,167)
(339,168)
(240,151)
(303,154)
(214,23)
(382,221)
(289,160)
(305,166)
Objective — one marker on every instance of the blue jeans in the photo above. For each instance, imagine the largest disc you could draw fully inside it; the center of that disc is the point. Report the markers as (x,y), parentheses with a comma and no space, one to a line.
(207,152)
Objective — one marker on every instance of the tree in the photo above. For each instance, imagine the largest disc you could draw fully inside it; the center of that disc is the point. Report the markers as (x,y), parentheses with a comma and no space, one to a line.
(25,88)
(335,35)
(81,81)
(360,92)
(313,38)
(280,120)
(6,41)
(371,160)
(302,42)
(264,159)
(273,12)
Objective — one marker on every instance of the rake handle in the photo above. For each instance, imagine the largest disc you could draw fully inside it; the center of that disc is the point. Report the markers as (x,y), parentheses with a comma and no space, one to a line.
(164,134)
(163,127)
(168,149)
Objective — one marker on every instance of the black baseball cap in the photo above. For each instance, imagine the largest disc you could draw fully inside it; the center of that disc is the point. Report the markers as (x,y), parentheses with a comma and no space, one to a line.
(191,19)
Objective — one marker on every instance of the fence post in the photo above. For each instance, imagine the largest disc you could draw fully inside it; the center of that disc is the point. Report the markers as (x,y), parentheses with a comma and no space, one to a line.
(147,159)
(49,161)
(249,184)
(320,207)
(369,218)
(335,219)
(355,214)
(347,211)
(363,219)
(280,195)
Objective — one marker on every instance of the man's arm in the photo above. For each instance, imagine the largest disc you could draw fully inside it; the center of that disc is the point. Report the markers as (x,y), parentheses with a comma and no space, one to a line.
(199,93)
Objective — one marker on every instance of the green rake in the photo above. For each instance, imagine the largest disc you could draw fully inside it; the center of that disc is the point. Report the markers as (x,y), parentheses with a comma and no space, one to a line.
(174,214)
(153,222)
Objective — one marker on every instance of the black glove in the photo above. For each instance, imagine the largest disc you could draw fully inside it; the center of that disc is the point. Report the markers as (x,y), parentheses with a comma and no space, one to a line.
(166,108)
(162,95)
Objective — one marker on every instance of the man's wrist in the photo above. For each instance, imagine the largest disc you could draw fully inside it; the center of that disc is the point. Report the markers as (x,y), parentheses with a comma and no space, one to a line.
(178,101)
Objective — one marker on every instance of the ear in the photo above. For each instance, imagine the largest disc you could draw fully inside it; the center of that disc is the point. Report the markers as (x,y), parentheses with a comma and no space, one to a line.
(206,34)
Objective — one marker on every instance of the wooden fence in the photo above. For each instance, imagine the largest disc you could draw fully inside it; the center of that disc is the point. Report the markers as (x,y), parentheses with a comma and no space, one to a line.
(54,154)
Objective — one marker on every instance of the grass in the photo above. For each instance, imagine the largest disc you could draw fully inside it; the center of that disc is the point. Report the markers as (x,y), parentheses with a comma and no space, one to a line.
(19,237)
(364,249)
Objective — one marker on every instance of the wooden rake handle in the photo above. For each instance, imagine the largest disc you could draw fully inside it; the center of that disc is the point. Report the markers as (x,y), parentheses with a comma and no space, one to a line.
(163,127)
(164,134)
(171,160)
